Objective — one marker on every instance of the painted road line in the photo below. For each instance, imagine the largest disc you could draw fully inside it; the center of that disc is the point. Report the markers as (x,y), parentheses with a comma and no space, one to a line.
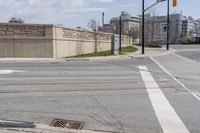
(71,78)
(168,118)
(3,72)
(186,59)
(179,82)
(198,94)
(6,71)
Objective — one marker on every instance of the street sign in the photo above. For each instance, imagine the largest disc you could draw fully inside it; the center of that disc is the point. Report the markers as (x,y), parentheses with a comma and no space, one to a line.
(174,3)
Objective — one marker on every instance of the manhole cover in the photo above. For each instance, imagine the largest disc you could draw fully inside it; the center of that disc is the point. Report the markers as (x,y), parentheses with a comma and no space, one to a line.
(67,124)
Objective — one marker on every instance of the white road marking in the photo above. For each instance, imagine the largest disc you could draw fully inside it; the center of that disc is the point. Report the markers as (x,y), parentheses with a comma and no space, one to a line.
(179,82)
(197,93)
(3,72)
(6,71)
(70,78)
(186,59)
(168,118)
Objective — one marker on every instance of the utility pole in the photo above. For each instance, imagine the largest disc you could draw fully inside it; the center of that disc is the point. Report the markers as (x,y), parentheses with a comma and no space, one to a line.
(143,10)
(120,33)
(168,25)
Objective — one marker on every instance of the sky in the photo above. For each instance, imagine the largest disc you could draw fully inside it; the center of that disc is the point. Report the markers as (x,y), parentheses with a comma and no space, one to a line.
(73,13)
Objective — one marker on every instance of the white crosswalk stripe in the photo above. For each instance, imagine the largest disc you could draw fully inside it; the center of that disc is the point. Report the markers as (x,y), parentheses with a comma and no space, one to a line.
(168,118)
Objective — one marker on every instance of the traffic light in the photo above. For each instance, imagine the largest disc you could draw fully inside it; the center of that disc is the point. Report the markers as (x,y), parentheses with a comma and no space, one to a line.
(165,28)
(174,3)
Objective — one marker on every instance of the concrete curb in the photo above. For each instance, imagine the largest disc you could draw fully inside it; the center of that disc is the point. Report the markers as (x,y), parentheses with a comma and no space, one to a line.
(30,60)
(56,130)
(38,128)
(41,60)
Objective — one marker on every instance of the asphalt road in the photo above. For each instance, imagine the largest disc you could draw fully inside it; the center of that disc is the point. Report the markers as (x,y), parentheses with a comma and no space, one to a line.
(112,95)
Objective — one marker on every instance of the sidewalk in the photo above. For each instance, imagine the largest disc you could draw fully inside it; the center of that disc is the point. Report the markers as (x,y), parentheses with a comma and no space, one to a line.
(148,52)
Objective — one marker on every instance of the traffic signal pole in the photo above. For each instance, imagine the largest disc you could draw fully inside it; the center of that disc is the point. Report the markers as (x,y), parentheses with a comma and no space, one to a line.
(168,25)
(120,33)
(143,10)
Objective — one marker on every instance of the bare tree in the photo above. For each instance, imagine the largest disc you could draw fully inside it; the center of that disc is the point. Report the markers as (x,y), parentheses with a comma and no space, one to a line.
(150,26)
(147,27)
(16,20)
(134,33)
(92,24)
(153,24)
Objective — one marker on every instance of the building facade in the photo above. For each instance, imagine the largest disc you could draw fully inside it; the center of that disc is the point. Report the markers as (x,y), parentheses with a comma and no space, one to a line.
(127,23)
(156,28)
(189,27)
(179,27)
(197,26)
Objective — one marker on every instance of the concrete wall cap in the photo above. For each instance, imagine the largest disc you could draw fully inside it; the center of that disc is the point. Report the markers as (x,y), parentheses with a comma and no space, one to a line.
(29,24)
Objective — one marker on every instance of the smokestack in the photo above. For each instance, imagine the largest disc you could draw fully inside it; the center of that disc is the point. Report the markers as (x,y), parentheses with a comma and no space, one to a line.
(102,19)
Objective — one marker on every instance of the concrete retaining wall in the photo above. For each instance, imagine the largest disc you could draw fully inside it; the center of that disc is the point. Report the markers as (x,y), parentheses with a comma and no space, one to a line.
(70,42)
(49,41)
(26,41)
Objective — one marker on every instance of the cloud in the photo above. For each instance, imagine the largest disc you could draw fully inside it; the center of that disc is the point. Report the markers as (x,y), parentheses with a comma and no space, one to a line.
(46,11)
(105,1)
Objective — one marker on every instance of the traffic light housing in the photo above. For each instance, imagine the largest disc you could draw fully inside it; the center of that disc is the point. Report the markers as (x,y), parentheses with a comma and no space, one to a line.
(174,3)
(165,28)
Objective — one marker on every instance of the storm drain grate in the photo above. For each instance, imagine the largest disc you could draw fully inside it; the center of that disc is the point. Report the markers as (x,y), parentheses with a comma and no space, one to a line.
(67,124)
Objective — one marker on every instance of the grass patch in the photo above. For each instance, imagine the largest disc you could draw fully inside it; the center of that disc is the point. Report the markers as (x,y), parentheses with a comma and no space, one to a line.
(97,54)
(128,49)
(107,53)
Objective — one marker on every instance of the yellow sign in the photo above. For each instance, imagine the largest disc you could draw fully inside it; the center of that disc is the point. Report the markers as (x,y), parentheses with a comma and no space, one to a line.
(174,3)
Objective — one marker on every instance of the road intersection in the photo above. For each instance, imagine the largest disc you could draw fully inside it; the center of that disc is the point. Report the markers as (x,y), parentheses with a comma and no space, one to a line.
(143,95)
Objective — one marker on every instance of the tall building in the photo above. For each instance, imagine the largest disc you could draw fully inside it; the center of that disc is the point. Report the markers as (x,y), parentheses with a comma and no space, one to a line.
(189,27)
(127,23)
(179,26)
(156,28)
(197,27)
